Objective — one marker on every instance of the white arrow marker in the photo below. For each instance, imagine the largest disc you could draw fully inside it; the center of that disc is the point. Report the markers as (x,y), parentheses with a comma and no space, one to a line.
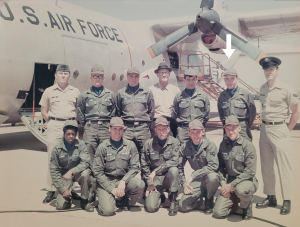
(228,51)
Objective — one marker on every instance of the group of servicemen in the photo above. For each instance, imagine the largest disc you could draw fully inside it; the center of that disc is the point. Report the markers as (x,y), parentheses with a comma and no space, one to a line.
(156,130)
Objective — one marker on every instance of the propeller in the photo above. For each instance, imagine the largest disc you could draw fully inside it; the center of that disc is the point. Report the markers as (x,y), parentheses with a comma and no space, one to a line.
(208,22)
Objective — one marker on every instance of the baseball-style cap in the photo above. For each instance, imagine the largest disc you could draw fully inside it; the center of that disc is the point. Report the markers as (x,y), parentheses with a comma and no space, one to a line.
(190,72)
(63,68)
(196,124)
(269,62)
(116,121)
(162,65)
(70,123)
(97,69)
(231,71)
(232,120)
(161,121)
(133,69)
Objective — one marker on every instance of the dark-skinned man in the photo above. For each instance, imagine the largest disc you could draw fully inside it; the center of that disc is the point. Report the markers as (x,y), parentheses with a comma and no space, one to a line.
(201,153)
(115,165)
(237,159)
(237,101)
(70,162)
(190,104)
(159,161)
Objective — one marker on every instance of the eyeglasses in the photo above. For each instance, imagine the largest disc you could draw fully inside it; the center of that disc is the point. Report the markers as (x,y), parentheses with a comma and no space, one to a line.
(97,76)
(162,73)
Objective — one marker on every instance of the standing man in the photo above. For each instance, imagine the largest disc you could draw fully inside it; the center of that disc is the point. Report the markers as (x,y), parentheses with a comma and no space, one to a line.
(115,166)
(58,104)
(135,105)
(277,100)
(96,106)
(70,162)
(190,104)
(237,101)
(159,162)
(237,159)
(201,153)
(164,94)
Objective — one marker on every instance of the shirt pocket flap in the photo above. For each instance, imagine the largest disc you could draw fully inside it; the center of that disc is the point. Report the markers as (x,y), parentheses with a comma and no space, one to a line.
(125,155)
(55,99)
(167,154)
(225,155)
(141,99)
(106,103)
(110,157)
(199,104)
(240,105)
(240,157)
(184,104)
(154,155)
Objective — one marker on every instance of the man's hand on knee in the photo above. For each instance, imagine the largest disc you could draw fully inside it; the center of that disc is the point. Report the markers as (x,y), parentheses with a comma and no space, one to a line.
(150,189)
(226,189)
(121,189)
(67,193)
(151,176)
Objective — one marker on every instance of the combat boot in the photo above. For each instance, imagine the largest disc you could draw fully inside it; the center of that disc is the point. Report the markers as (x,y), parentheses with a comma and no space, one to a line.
(173,207)
(286,207)
(49,197)
(247,213)
(270,201)
(208,205)
(75,196)
(85,205)
(125,203)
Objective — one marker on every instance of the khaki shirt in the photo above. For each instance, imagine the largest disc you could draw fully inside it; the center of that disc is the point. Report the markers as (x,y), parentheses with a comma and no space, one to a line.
(61,103)
(277,100)
(122,162)
(163,98)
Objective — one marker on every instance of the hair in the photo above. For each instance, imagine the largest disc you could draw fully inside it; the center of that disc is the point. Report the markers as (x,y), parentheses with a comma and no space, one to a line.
(70,127)
(189,76)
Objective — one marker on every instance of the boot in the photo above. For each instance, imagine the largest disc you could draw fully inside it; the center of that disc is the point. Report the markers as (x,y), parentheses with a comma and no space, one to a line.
(247,213)
(75,196)
(286,207)
(125,203)
(270,201)
(208,205)
(92,196)
(173,207)
(162,197)
(49,197)
(85,205)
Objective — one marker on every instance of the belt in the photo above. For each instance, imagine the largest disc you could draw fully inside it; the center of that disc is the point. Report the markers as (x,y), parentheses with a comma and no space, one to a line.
(183,124)
(273,123)
(61,119)
(135,122)
(98,122)
(168,119)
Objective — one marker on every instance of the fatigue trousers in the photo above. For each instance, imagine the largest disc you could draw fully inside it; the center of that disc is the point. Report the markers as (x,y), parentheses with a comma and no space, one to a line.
(54,136)
(274,144)
(244,191)
(139,134)
(168,181)
(208,183)
(183,135)
(107,203)
(85,181)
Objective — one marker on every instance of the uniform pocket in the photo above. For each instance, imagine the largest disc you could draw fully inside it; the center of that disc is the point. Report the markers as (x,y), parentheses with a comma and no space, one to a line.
(110,162)
(106,106)
(225,108)
(199,107)
(63,160)
(154,156)
(238,162)
(225,155)
(184,108)
(240,109)
(167,155)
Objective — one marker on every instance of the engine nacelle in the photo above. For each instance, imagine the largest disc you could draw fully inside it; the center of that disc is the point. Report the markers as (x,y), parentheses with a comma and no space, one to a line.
(214,43)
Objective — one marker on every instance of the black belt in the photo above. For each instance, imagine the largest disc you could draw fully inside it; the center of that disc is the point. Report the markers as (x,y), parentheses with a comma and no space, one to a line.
(135,122)
(273,123)
(183,124)
(168,119)
(61,119)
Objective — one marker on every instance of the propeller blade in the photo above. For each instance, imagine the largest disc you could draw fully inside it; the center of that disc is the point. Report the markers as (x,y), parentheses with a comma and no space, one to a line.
(165,43)
(207,3)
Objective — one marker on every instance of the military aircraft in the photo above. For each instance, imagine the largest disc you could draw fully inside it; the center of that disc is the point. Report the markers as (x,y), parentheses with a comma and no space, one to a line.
(36,36)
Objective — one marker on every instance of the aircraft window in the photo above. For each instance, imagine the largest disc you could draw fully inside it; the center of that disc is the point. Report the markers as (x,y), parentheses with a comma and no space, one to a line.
(143,63)
(121,77)
(76,74)
(113,77)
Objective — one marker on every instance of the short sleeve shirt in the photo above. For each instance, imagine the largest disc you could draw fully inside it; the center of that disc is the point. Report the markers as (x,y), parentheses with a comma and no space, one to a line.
(277,100)
(61,103)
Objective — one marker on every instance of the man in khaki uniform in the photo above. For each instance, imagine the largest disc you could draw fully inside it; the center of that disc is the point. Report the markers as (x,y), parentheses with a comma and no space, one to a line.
(58,104)
(277,99)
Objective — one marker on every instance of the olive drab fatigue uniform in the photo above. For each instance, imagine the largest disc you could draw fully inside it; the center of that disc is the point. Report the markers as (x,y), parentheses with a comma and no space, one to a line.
(62,106)
(188,108)
(164,161)
(77,160)
(111,165)
(205,164)
(274,141)
(94,112)
(137,112)
(239,162)
(242,105)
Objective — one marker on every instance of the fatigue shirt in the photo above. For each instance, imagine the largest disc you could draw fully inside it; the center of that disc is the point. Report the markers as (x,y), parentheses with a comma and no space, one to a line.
(62,160)
(157,158)
(122,162)
(188,108)
(96,107)
(61,103)
(241,104)
(238,161)
(138,106)
(277,100)
(203,161)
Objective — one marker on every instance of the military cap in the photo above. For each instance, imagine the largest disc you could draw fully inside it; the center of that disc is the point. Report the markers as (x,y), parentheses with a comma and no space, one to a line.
(133,69)
(190,72)
(232,120)
(97,69)
(116,121)
(70,123)
(196,124)
(269,62)
(161,121)
(63,68)
(162,65)
(231,71)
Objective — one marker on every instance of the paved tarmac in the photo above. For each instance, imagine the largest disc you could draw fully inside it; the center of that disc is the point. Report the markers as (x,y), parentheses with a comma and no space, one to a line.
(23,167)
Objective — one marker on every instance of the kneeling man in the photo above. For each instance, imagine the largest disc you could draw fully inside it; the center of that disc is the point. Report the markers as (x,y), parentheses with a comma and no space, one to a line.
(237,158)
(201,153)
(159,163)
(115,165)
(70,162)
